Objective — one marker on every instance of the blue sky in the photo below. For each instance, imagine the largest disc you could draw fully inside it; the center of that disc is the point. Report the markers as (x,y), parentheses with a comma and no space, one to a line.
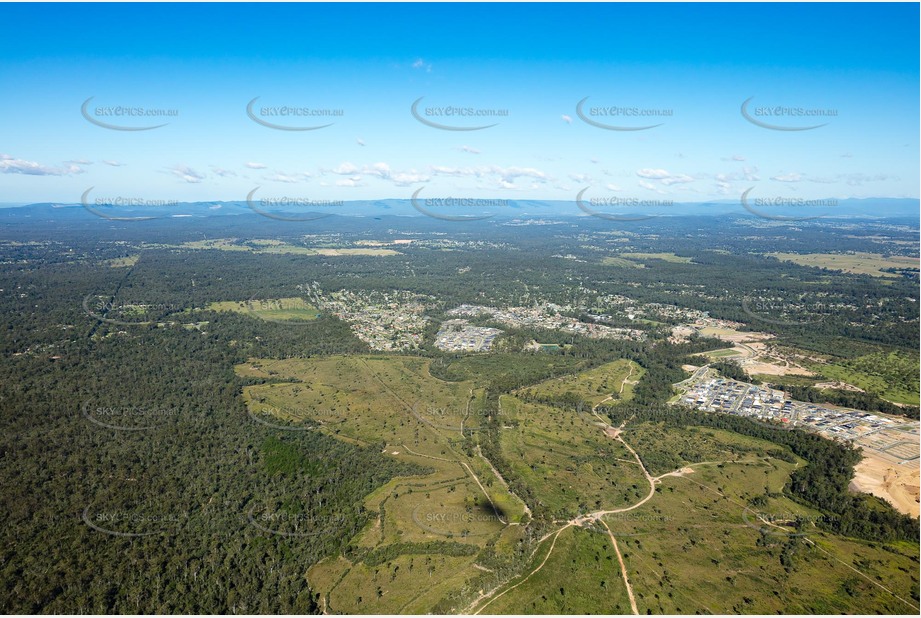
(691,66)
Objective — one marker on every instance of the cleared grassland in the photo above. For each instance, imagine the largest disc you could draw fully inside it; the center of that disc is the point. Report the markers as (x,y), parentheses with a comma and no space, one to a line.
(621,262)
(700,547)
(716,354)
(262,245)
(407,584)
(666,257)
(666,449)
(562,450)
(892,375)
(573,466)
(581,576)
(122,262)
(393,403)
(272,309)
(223,244)
(691,535)
(855,263)
(593,386)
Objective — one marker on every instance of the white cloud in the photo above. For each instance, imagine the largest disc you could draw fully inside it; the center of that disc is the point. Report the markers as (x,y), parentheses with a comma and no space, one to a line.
(220,171)
(510,173)
(404,179)
(379,170)
(857,178)
(114,163)
(256,166)
(441,170)
(663,176)
(186,173)
(566,119)
(282,177)
(469,149)
(749,174)
(853,179)
(580,178)
(10,165)
(651,187)
(501,177)
(421,64)
(345,169)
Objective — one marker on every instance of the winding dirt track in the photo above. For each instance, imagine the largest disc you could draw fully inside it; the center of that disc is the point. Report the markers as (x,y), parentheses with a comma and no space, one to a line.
(539,567)
(614,433)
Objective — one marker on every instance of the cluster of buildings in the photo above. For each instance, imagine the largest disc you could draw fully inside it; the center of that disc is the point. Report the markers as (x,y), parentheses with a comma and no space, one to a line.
(460,336)
(617,305)
(733,397)
(894,437)
(547,316)
(386,321)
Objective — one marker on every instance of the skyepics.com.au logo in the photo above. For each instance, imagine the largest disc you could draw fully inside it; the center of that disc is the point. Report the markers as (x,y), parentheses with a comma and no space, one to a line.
(809,208)
(621,117)
(133,522)
(779,117)
(456,523)
(117,208)
(127,418)
(286,208)
(291,117)
(628,523)
(782,524)
(449,418)
(293,524)
(301,418)
(621,208)
(125,117)
(125,312)
(447,208)
(454,117)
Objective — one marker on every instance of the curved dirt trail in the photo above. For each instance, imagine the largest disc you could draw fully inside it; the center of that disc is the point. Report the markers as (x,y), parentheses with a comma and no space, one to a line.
(582,519)
(539,567)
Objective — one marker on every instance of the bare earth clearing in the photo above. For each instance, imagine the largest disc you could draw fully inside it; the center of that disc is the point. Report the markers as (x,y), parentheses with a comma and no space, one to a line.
(895,483)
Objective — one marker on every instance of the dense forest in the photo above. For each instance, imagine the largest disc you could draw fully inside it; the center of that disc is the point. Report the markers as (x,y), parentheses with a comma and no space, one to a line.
(733,371)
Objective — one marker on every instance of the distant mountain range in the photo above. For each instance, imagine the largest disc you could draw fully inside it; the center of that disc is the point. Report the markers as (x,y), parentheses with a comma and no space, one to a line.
(869,208)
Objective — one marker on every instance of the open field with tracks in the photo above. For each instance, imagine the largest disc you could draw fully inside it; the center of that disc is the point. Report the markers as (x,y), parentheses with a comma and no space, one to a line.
(436,523)
(638,518)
